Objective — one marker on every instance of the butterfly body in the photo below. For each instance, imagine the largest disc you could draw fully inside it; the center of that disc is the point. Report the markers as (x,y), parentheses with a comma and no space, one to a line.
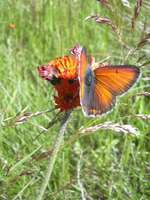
(89,77)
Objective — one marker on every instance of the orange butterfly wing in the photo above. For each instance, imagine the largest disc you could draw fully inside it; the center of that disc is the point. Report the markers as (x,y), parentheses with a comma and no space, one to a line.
(112,81)
(109,82)
(82,71)
(117,79)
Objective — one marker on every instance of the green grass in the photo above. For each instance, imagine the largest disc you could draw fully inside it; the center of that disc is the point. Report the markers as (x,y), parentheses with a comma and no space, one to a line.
(112,166)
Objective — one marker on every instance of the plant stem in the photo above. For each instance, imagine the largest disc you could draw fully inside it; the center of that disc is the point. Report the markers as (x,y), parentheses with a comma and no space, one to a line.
(53,156)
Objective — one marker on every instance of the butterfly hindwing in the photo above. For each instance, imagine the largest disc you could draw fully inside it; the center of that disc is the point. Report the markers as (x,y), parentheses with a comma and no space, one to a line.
(97,99)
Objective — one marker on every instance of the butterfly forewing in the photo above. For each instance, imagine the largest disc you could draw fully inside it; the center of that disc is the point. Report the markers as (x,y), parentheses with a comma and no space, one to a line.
(116,79)
(82,72)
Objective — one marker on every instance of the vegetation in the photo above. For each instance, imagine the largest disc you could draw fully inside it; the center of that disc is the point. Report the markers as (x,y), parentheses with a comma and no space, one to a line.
(99,165)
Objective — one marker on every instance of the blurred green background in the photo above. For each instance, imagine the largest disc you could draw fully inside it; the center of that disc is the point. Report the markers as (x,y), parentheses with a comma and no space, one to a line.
(112,166)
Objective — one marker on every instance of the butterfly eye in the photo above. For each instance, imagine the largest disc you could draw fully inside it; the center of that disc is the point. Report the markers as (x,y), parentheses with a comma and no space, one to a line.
(55,80)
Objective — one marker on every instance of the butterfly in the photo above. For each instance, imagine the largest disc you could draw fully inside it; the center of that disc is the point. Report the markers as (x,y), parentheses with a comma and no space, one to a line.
(100,87)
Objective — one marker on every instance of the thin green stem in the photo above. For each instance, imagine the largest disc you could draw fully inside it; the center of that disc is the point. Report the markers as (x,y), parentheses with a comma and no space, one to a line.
(53,156)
